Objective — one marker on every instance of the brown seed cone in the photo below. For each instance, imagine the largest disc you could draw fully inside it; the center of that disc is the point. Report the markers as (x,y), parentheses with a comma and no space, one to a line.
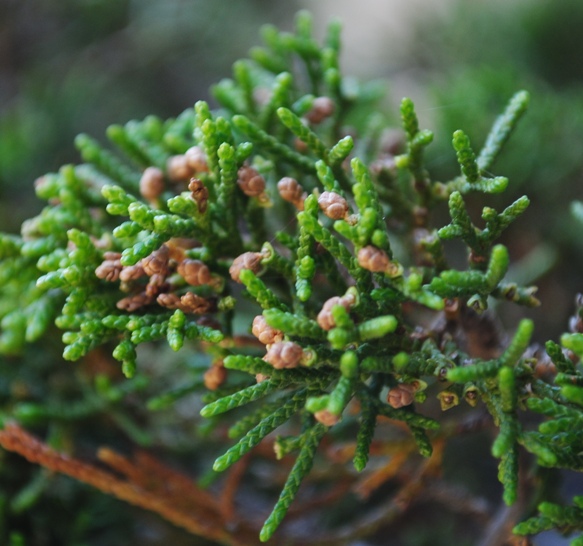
(132,303)
(178,168)
(374,259)
(194,272)
(250,181)
(132,272)
(333,205)
(169,300)
(324,318)
(215,376)
(196,159)
(291,191)
(401,395)
(265,333)
(157,262)
(156,285)
(326,418)
(191,303)
(152,183)
(284,354)
(200,194)
(247,260)
(322,108)
(109,270)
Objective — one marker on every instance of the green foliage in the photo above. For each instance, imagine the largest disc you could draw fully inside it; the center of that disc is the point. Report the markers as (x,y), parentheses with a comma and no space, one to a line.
(191,242)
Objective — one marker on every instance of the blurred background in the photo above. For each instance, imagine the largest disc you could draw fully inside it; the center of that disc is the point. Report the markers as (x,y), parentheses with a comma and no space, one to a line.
(71,66)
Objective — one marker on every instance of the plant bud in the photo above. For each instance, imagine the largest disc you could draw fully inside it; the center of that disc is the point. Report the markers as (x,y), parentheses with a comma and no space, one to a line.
(157,262)
(192,303)
(132,272)
(110,269)
(327,418)
(333,205)
(291,191)
(250,181)
(215,376)
(284,354)
(374,259)
(265,333)
(194,272)
(169,300)
(247,260)
(196,159)
(200,194)
(322,108)
(132,303)
(401,395)
(152,184)
(178,168)
(156,284)
(324,318)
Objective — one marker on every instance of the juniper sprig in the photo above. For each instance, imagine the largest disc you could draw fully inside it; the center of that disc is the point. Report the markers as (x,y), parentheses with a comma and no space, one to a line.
(265,216)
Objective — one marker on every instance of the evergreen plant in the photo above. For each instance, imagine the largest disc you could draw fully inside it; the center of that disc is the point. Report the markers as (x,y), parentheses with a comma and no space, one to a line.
(288,246)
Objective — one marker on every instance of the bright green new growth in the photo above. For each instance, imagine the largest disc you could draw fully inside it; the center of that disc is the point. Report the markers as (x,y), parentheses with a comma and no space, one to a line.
(115,263)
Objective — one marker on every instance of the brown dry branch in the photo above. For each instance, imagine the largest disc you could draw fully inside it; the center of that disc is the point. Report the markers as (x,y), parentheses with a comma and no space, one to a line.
(146,483)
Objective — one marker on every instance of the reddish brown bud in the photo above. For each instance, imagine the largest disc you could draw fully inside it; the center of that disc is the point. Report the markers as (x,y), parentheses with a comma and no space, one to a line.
(132,272)
(250,181)
(373,258)
(196,159)
(291,191)
(402,395)
(191,303)
(194,272)
(215,376)
(200,194)
(284,354)
(188,303)
(156,284)
(265,333)
(322,108)
(132,303)
(326,418)
(157,262)
(248,260)
(110,269)
(169,300)
(333,205)
(178,168)
(324,318)
(152,183)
